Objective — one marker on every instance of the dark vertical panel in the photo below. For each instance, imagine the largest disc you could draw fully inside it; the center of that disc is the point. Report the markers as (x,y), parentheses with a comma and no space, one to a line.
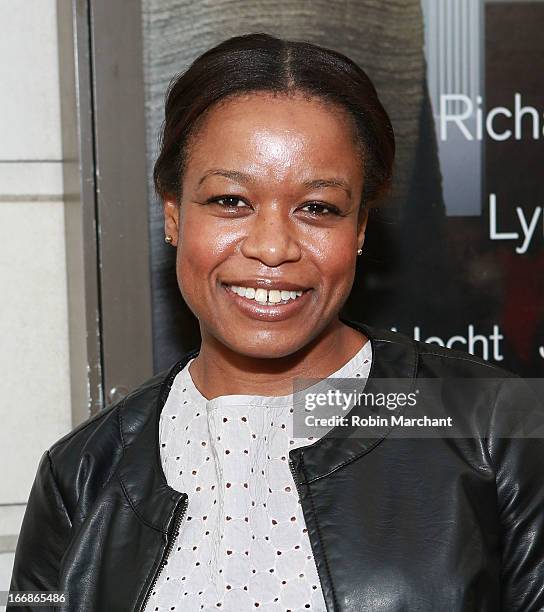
(513,171)
(121,196)
(78,165)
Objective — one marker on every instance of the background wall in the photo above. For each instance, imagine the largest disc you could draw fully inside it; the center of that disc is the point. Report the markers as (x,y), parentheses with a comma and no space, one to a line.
(34,347)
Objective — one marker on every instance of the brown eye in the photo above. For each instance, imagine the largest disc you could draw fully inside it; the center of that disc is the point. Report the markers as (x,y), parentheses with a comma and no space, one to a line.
(317,209)
(228,201)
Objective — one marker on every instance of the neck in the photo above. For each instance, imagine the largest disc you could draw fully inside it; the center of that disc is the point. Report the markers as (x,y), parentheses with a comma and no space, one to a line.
(218,370)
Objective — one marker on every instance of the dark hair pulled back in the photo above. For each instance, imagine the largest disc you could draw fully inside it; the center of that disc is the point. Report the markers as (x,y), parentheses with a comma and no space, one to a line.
(260,62)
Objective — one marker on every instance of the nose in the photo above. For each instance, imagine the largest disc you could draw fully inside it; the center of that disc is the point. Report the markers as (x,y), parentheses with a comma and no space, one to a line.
(271,237)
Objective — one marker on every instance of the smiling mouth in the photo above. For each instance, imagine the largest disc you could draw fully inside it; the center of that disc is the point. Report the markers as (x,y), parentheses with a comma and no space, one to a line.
(266,297)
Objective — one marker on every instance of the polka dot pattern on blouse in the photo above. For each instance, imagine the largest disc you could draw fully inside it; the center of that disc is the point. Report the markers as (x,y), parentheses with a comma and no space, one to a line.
(243,544)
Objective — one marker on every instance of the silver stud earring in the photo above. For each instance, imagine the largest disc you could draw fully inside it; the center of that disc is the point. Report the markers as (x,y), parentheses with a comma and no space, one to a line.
(359,251)
(168,239)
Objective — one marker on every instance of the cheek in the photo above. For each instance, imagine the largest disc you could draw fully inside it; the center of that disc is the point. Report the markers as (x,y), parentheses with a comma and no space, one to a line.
(334,254)
(203,245)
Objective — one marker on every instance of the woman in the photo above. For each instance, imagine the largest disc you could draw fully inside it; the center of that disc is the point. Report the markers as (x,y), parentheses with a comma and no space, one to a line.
(191,493)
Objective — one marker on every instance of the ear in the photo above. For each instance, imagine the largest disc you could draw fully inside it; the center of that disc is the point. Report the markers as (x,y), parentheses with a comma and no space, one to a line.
(361,226)
(171,218)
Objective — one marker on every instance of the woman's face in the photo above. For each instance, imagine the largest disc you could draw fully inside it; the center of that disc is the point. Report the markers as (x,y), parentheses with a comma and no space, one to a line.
(270,200)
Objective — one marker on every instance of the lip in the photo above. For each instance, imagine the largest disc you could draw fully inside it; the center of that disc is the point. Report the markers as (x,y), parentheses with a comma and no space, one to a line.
(266,283)
(272,313)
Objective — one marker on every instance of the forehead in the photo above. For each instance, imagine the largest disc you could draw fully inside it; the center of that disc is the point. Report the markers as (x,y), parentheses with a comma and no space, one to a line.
(277,135)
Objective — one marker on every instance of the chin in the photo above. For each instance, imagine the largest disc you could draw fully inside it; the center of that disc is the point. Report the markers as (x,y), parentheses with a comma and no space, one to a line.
(266,348)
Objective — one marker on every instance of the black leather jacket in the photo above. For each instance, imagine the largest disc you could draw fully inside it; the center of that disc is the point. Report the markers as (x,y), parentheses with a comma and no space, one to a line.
(395,524)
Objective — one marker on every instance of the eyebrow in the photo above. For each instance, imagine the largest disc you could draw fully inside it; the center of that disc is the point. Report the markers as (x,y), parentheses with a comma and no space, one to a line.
(242,177)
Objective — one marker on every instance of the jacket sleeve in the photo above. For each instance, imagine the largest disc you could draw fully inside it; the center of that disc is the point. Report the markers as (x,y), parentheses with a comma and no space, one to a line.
(516,448)
(43,537)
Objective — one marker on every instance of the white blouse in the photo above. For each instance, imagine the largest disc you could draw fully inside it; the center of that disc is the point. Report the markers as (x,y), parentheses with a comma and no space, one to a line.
(243,544)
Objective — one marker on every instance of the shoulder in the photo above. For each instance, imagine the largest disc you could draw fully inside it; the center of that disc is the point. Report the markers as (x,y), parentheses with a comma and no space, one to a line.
(463,383)
(483,398)
(89,454)
(132,406)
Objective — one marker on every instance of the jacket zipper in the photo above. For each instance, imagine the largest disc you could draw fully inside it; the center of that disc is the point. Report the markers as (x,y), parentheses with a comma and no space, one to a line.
(293,473)
(170,541)
(177,522)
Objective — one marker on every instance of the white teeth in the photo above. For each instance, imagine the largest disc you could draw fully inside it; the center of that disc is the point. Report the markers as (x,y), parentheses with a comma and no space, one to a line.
(261,295)
(272,296)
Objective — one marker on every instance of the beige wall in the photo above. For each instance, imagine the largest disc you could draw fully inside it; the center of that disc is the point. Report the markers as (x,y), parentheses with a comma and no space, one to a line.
(34,355)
